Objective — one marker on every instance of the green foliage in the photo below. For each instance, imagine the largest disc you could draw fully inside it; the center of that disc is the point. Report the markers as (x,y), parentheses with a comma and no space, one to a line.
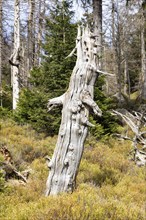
(107,123)
(52,78)
(6,93)
(5,112)
(6,99)
(32,108)
(6,96)
(2,180)
(24,143)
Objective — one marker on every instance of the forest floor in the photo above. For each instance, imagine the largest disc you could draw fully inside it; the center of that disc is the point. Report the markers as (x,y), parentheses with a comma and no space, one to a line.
(109,185)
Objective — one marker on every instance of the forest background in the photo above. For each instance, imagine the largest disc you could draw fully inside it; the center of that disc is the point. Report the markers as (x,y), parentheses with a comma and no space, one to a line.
(107,180)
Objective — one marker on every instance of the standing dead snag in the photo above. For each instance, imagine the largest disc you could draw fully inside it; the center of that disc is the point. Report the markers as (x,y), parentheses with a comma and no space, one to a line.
(15,57)
(76,102)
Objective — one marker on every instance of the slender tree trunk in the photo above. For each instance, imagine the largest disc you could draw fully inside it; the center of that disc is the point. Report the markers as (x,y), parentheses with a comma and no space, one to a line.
(143,51)
(40,31)
(97,18)
(118,56)
(113,24)
(31,35)
(1,101)
(15,57)
(127,88)
(126,77)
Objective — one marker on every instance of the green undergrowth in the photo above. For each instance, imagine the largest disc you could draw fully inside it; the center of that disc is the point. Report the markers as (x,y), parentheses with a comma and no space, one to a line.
(109,185)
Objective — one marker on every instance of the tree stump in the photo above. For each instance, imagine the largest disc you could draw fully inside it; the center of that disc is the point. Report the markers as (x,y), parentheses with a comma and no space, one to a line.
(76,102)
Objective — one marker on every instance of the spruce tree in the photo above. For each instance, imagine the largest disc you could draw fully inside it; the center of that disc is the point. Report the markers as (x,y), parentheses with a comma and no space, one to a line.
(51,79)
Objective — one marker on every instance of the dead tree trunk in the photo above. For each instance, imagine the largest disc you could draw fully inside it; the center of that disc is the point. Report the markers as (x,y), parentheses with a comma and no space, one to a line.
(143,50)
(76,102)
(1,101)
(15,57)
(41,16)
(97,18)
(31,35)
(118,56)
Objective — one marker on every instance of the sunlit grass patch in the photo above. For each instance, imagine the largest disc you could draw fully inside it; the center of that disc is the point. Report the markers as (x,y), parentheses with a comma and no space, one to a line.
(109,185)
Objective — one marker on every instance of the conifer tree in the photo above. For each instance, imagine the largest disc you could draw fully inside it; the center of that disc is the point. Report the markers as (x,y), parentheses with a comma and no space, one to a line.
(52,77)
(60,38)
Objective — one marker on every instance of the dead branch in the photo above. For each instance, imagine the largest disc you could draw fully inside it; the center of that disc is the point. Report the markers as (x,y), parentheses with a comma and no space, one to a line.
(9,168)
(135,121)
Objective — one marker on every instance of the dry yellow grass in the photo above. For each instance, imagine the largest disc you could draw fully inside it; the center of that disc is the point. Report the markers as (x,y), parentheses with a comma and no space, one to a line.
(109,186)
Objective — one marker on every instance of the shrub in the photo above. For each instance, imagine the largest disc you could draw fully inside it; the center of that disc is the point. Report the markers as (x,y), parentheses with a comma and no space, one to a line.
(2,181)
(109,187)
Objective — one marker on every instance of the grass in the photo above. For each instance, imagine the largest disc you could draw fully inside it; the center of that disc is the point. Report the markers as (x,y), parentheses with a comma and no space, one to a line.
(109,186)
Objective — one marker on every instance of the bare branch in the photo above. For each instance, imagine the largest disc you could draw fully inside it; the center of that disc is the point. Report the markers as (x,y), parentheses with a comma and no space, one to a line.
(135,122)
(58,101)
(72,53)
(128,121)
(87,99)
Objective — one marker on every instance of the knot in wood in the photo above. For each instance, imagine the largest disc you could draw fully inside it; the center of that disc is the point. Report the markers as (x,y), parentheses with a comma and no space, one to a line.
(66,162)
(50,165)
(79,102)
(73,117)
(71,147)
(80,131)
(74,109)
(55,179)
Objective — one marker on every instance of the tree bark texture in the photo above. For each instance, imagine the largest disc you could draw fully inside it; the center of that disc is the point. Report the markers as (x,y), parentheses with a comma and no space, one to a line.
(97,18)
(143,50)
(41,26)
(1,2)
(31,35)
(76,102)
(15,57)
(119,56)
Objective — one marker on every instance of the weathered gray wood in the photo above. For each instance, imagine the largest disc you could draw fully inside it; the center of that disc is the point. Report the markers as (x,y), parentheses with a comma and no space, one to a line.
(143,51)
(76,103)
(15,57)
(31,35)
(1,13)
(136,122)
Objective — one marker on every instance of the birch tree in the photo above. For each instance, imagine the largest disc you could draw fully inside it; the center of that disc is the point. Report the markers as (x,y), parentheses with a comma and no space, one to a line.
(15,57)
(76,102)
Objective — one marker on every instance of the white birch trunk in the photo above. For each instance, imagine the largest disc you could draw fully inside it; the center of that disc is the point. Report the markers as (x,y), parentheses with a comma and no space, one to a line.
(15,57)
(76,102)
